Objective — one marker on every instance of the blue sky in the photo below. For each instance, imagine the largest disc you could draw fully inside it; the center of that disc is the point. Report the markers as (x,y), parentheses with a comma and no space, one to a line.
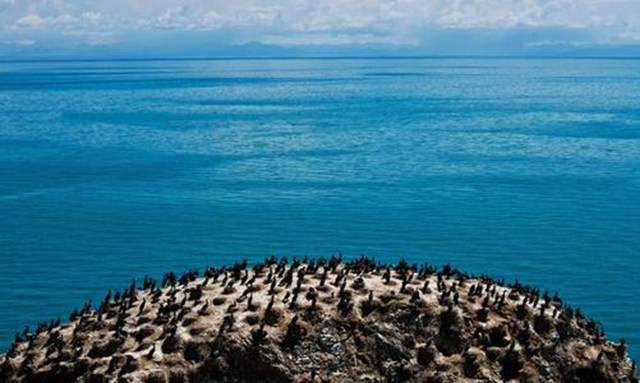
(199,27)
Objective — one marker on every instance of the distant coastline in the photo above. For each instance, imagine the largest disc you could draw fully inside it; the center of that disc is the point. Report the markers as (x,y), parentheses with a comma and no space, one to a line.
(36,59)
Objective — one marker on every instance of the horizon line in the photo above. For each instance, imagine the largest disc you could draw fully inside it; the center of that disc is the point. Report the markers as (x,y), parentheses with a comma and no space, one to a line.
(355,57)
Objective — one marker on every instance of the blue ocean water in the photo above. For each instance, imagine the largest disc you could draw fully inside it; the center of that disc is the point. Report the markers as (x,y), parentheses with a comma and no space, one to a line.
(525,169)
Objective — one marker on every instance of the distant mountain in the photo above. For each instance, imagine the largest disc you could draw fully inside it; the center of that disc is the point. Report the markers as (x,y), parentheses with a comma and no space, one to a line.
(605,51)
(439,48)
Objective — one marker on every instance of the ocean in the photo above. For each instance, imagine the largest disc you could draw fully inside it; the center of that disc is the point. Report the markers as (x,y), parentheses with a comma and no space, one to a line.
(522,169)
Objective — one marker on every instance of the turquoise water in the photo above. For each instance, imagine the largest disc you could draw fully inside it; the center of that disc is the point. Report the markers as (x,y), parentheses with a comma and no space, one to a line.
(524,169)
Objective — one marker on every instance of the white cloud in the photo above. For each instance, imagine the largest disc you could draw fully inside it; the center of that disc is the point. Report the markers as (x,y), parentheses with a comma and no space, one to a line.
(30,21)
(62,20)
(336,20)
(92,17)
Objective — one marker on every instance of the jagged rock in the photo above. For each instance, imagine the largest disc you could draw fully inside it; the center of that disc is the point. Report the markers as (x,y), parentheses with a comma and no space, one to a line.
(390,349)
(450,339)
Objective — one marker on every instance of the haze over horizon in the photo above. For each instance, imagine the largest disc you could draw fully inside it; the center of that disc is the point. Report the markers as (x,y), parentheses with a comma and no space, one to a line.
(198,28)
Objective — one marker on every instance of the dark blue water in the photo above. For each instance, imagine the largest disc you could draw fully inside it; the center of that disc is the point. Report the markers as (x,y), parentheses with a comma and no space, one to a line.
(524,169)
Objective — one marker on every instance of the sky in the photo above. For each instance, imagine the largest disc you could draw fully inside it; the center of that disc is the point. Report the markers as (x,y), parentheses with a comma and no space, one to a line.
(214,27)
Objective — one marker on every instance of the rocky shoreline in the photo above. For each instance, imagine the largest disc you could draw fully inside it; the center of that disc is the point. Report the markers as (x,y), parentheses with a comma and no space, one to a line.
(321,320)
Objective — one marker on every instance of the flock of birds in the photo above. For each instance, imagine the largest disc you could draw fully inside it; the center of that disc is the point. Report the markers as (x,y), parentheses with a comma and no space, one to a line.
(320,320)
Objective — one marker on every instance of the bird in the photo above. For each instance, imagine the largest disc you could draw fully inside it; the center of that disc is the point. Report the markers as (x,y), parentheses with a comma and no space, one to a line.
(151,352)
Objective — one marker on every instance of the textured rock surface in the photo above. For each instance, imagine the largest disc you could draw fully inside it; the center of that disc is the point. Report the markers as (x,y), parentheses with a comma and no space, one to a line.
(321,320)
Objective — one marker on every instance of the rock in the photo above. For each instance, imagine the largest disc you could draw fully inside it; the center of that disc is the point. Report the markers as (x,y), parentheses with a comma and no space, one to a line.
(398,330)
(512,364)
(171,344)
(155,377)
(106,348)
(390,349)
(427,355)
(144,332)
(498,336)
(196,351)
(131,364)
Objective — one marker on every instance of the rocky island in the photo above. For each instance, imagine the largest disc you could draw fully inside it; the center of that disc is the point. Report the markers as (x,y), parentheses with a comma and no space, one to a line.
(322,320)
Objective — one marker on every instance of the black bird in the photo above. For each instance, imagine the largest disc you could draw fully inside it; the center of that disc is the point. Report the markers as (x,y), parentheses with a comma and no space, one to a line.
(387,276)
(151,352)
(203,310)
(405,280)
(425,287)
(107,297)
(343,286)
(323,279)
(294,298)
(257,336)
(269,306)
(144,302)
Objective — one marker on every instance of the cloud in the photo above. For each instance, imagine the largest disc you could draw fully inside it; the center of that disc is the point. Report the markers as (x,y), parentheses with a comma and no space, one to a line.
(313,21)
(35,21)
(30,21)
(62,20)
(327,39)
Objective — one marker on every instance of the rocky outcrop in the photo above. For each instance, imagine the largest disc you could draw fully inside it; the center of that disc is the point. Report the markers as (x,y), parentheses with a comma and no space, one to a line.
(321,320)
